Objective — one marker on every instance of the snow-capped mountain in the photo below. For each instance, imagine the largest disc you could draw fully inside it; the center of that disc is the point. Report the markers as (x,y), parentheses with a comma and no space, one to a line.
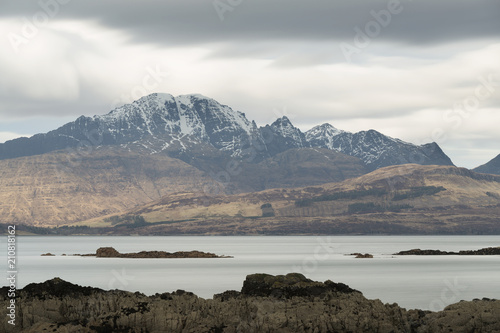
(281,136)
(322,136)
(375,149)
(160,120)
(155,122)
(195,124)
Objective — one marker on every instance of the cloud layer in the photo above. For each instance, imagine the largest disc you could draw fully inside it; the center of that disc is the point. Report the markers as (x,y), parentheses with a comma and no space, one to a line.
(411,69)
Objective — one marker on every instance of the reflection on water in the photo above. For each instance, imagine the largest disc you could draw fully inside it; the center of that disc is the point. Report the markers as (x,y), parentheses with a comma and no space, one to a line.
(427,282)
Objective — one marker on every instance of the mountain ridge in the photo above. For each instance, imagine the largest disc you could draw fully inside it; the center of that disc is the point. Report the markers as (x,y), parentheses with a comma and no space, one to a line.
(161,122)
(491,167)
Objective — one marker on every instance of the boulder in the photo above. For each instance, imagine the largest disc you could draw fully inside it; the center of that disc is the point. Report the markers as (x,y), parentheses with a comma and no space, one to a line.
(287,286)
(361,255)
(106,252)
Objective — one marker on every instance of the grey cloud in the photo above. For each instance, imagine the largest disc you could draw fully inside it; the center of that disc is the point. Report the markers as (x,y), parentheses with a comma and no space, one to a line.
(197,21)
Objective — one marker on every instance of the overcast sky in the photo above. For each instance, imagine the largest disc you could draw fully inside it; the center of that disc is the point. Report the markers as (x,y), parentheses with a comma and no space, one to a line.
(421,70)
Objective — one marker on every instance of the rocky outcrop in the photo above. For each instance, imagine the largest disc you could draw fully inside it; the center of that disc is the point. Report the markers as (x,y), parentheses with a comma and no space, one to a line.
(290,285)
(419,252)
(488,251)
(266,303)
(110,252)
(361,255)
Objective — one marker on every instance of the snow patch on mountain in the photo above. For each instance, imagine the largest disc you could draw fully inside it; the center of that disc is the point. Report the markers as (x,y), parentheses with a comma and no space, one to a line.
(322,136)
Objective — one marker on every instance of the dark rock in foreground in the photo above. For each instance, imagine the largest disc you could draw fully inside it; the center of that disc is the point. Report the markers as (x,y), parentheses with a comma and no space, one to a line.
(488,251)
(109,252)
(266,303)
(290,285)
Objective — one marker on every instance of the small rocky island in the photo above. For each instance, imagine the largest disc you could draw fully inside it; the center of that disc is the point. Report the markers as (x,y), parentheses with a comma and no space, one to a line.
(488,251)
(110,252)
(266,303)
(362,256)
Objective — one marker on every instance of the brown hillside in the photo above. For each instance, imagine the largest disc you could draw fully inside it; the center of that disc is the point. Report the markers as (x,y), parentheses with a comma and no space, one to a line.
(464,199)
(50,189)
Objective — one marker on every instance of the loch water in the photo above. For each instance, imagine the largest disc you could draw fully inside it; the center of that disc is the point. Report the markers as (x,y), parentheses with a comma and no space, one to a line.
(425,282)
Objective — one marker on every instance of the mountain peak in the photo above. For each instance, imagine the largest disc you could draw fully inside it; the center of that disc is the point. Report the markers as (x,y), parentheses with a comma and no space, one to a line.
(324,129)
(283,121)
(323,136)
(492,167)
(284,136)
(188,99)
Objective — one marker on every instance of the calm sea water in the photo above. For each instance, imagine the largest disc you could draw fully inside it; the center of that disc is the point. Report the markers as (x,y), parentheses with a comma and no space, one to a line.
(426,282)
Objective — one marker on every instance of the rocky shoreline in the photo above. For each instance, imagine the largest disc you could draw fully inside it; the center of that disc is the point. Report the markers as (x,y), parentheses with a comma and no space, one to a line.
(487,251)
(110,252)
(266,303)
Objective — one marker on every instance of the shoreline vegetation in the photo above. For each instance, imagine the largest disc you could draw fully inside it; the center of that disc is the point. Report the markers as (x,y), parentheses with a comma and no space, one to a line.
(266,303)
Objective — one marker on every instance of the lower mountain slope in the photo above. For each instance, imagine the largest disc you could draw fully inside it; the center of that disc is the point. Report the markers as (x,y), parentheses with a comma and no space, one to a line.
(63,188)
(298,167)
(398,199)
(57,187)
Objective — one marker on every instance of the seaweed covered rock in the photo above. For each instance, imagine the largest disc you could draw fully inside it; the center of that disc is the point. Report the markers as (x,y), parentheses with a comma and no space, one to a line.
(488,251)
(290,285)
(58,288)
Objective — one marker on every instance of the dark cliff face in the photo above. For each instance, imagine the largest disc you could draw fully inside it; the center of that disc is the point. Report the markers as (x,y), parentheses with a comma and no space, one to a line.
(267,303)
(492,167)
(282,135)
(176,125)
